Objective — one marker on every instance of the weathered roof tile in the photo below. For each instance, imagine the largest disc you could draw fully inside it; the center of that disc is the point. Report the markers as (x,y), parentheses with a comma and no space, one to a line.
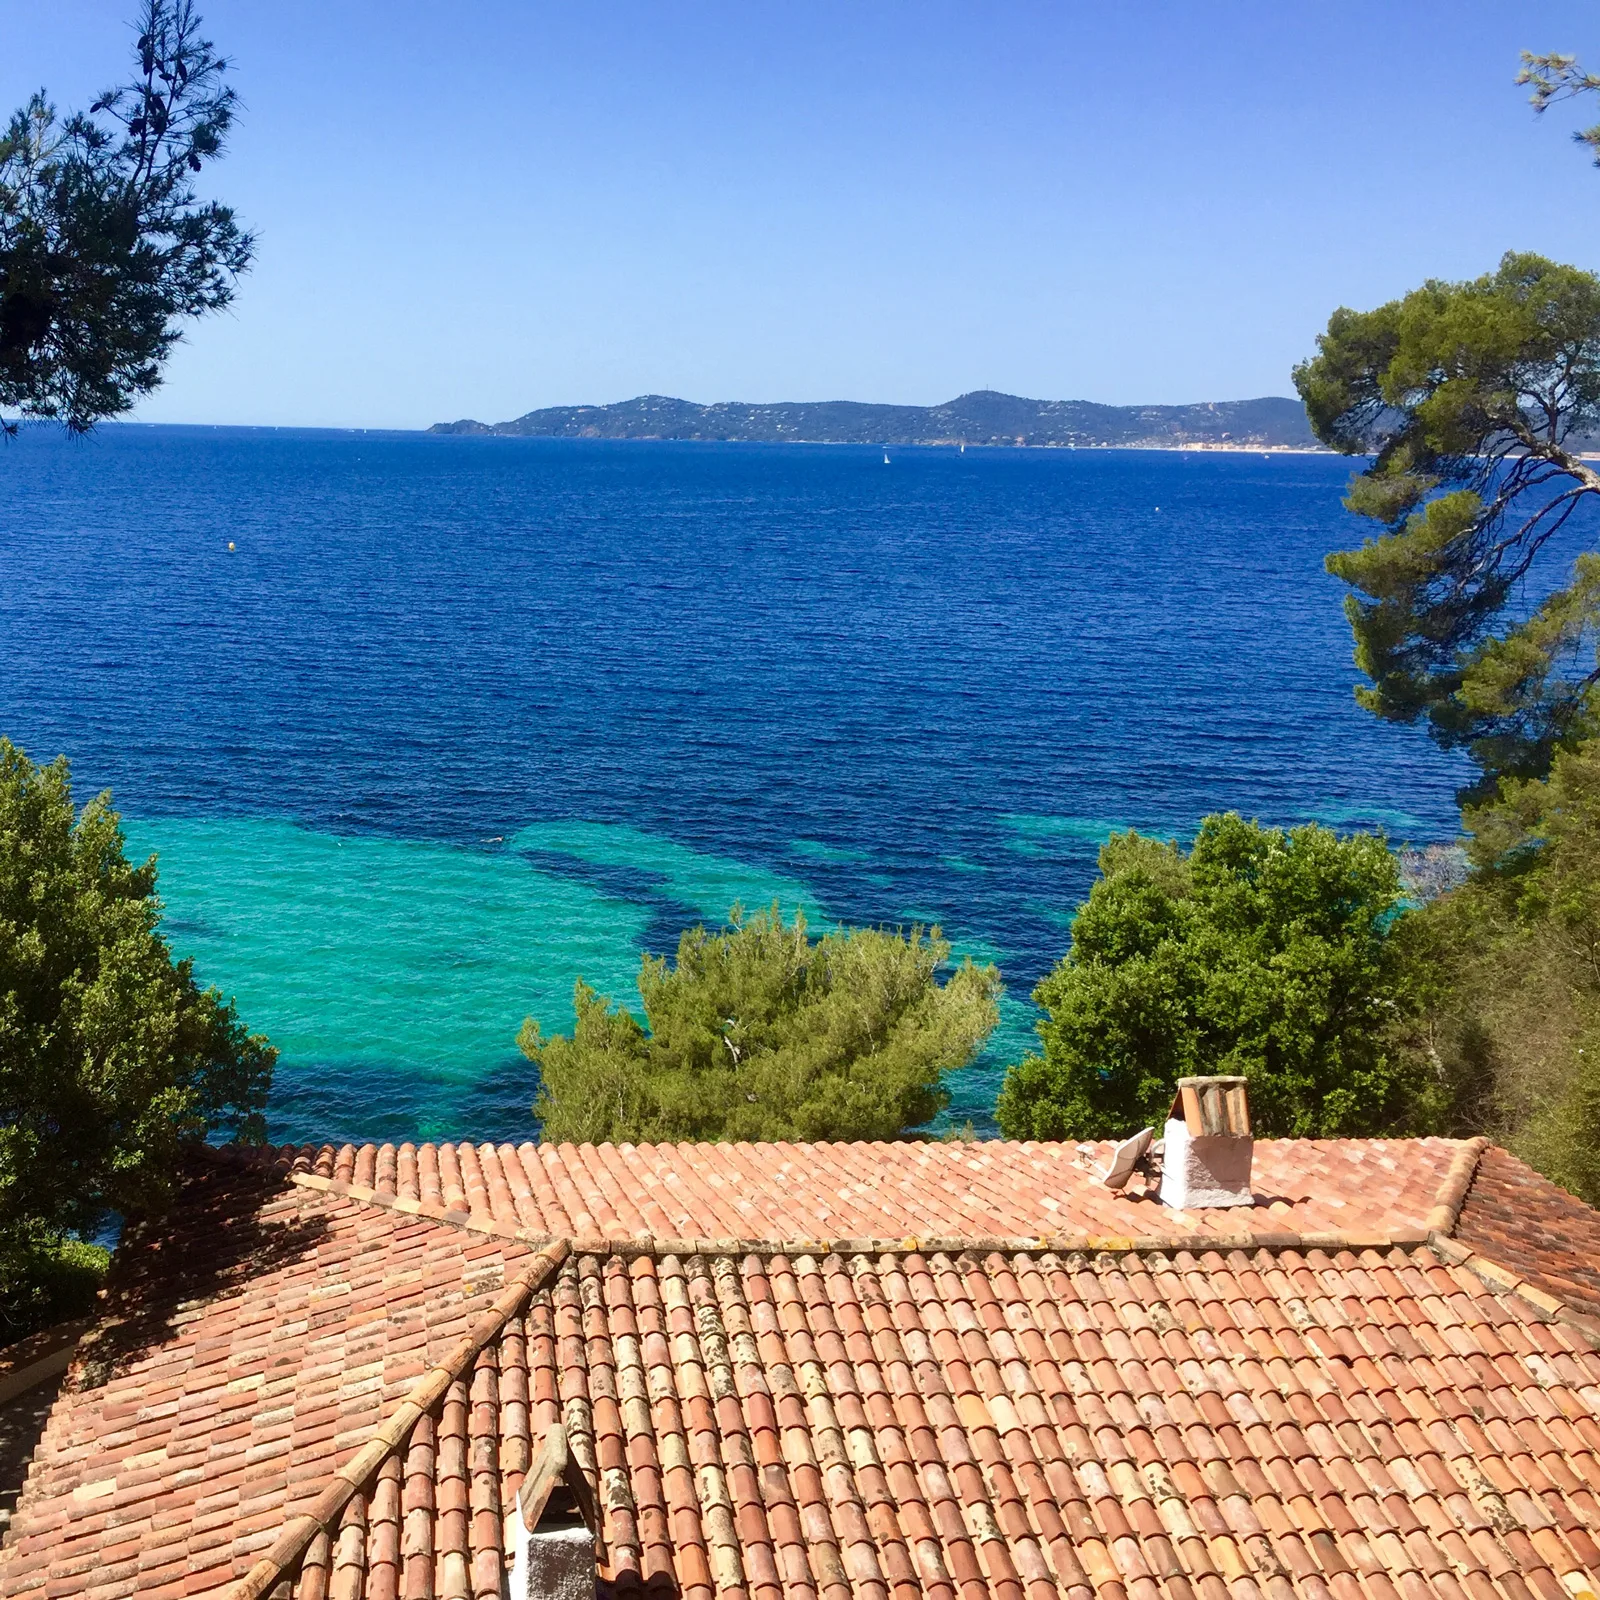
(933,1369)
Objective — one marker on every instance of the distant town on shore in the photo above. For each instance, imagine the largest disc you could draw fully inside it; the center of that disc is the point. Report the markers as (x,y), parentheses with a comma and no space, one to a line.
(984,417)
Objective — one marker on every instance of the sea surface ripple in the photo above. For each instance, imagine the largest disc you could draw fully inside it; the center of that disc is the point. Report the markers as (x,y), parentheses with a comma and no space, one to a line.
(424,728)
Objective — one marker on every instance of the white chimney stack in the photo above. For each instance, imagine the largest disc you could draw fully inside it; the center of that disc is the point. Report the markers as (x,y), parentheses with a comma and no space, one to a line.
(1208,1147)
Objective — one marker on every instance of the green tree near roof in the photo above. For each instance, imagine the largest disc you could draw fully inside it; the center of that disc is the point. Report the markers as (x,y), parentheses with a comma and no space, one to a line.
(1508,970)
(1259,952)
(112,1058)
(105,243)
(1475,400)
(761,1032)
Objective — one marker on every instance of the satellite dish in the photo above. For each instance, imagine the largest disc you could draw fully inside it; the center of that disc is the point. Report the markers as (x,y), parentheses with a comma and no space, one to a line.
(1126,1157)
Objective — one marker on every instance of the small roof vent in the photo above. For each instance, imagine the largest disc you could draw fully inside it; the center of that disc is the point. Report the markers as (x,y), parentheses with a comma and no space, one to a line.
(1208,1148)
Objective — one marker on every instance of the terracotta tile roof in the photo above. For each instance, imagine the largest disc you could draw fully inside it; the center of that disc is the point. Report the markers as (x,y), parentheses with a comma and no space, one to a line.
(30,1377)
(729,1195)
(1192,1420)
(1515,1216)
(249,1349)
(1184,1423)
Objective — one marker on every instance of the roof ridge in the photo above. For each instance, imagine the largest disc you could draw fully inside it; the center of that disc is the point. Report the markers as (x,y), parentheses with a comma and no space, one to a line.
(1452,1195)
(324,1512)
(269,1154)
(658,1245)
(331,1169)
(1502,1280)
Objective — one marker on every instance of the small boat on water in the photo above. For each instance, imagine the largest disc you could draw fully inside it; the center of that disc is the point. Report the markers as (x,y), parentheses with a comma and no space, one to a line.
(886,456)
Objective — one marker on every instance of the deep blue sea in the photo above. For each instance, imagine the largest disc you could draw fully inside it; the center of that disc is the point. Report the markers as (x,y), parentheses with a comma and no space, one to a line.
(424,728)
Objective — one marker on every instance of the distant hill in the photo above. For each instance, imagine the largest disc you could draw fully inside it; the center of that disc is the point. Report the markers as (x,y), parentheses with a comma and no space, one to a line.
(982,417)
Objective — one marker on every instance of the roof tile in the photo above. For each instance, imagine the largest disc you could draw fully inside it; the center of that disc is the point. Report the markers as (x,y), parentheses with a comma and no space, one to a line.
(948,1404)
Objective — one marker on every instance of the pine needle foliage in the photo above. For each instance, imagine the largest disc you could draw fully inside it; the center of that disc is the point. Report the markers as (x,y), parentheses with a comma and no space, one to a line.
(760,1032)
(105,242)
(1555,77)
(1475,401)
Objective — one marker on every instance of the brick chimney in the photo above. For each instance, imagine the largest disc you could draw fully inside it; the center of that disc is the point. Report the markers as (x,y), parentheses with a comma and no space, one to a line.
(1208,1147)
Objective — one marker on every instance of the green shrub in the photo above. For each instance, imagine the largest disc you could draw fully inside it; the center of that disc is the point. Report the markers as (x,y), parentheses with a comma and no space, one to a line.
(112,1058)
(759,1032)
(1508,969)
(56,1281)
(1262,953)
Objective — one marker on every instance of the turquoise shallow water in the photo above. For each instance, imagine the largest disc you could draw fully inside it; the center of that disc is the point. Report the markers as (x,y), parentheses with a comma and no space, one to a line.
(459,720)
(391,972)
(395,970)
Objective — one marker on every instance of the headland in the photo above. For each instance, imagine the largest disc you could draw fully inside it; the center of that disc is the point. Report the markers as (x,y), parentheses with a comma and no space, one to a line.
(984,417)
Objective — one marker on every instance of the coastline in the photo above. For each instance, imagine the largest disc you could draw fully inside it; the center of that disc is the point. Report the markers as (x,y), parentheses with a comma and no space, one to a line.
(1190,447)
(980,417)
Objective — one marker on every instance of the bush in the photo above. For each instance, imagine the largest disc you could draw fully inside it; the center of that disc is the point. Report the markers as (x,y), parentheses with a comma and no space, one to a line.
(758,1032)
(111,1056)
(1509,974)
(54,1282)
(1262,953)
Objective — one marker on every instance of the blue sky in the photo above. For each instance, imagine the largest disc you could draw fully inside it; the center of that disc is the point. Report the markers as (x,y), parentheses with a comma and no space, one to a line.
(477,209)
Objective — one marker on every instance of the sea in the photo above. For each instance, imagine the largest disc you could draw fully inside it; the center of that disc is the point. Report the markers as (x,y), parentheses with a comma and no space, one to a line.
(422,729)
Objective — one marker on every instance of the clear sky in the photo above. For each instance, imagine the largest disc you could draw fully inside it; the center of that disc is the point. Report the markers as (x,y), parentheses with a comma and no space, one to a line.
(476,209)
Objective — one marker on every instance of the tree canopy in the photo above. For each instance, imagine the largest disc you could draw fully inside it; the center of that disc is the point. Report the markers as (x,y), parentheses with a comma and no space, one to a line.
(111,1056)
(1473,399)
(1259,952)
(1508,966)
(104,241)
(760,1032)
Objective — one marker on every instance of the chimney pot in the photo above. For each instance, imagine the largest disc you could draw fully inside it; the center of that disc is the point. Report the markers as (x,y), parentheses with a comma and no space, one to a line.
(1208,1145)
